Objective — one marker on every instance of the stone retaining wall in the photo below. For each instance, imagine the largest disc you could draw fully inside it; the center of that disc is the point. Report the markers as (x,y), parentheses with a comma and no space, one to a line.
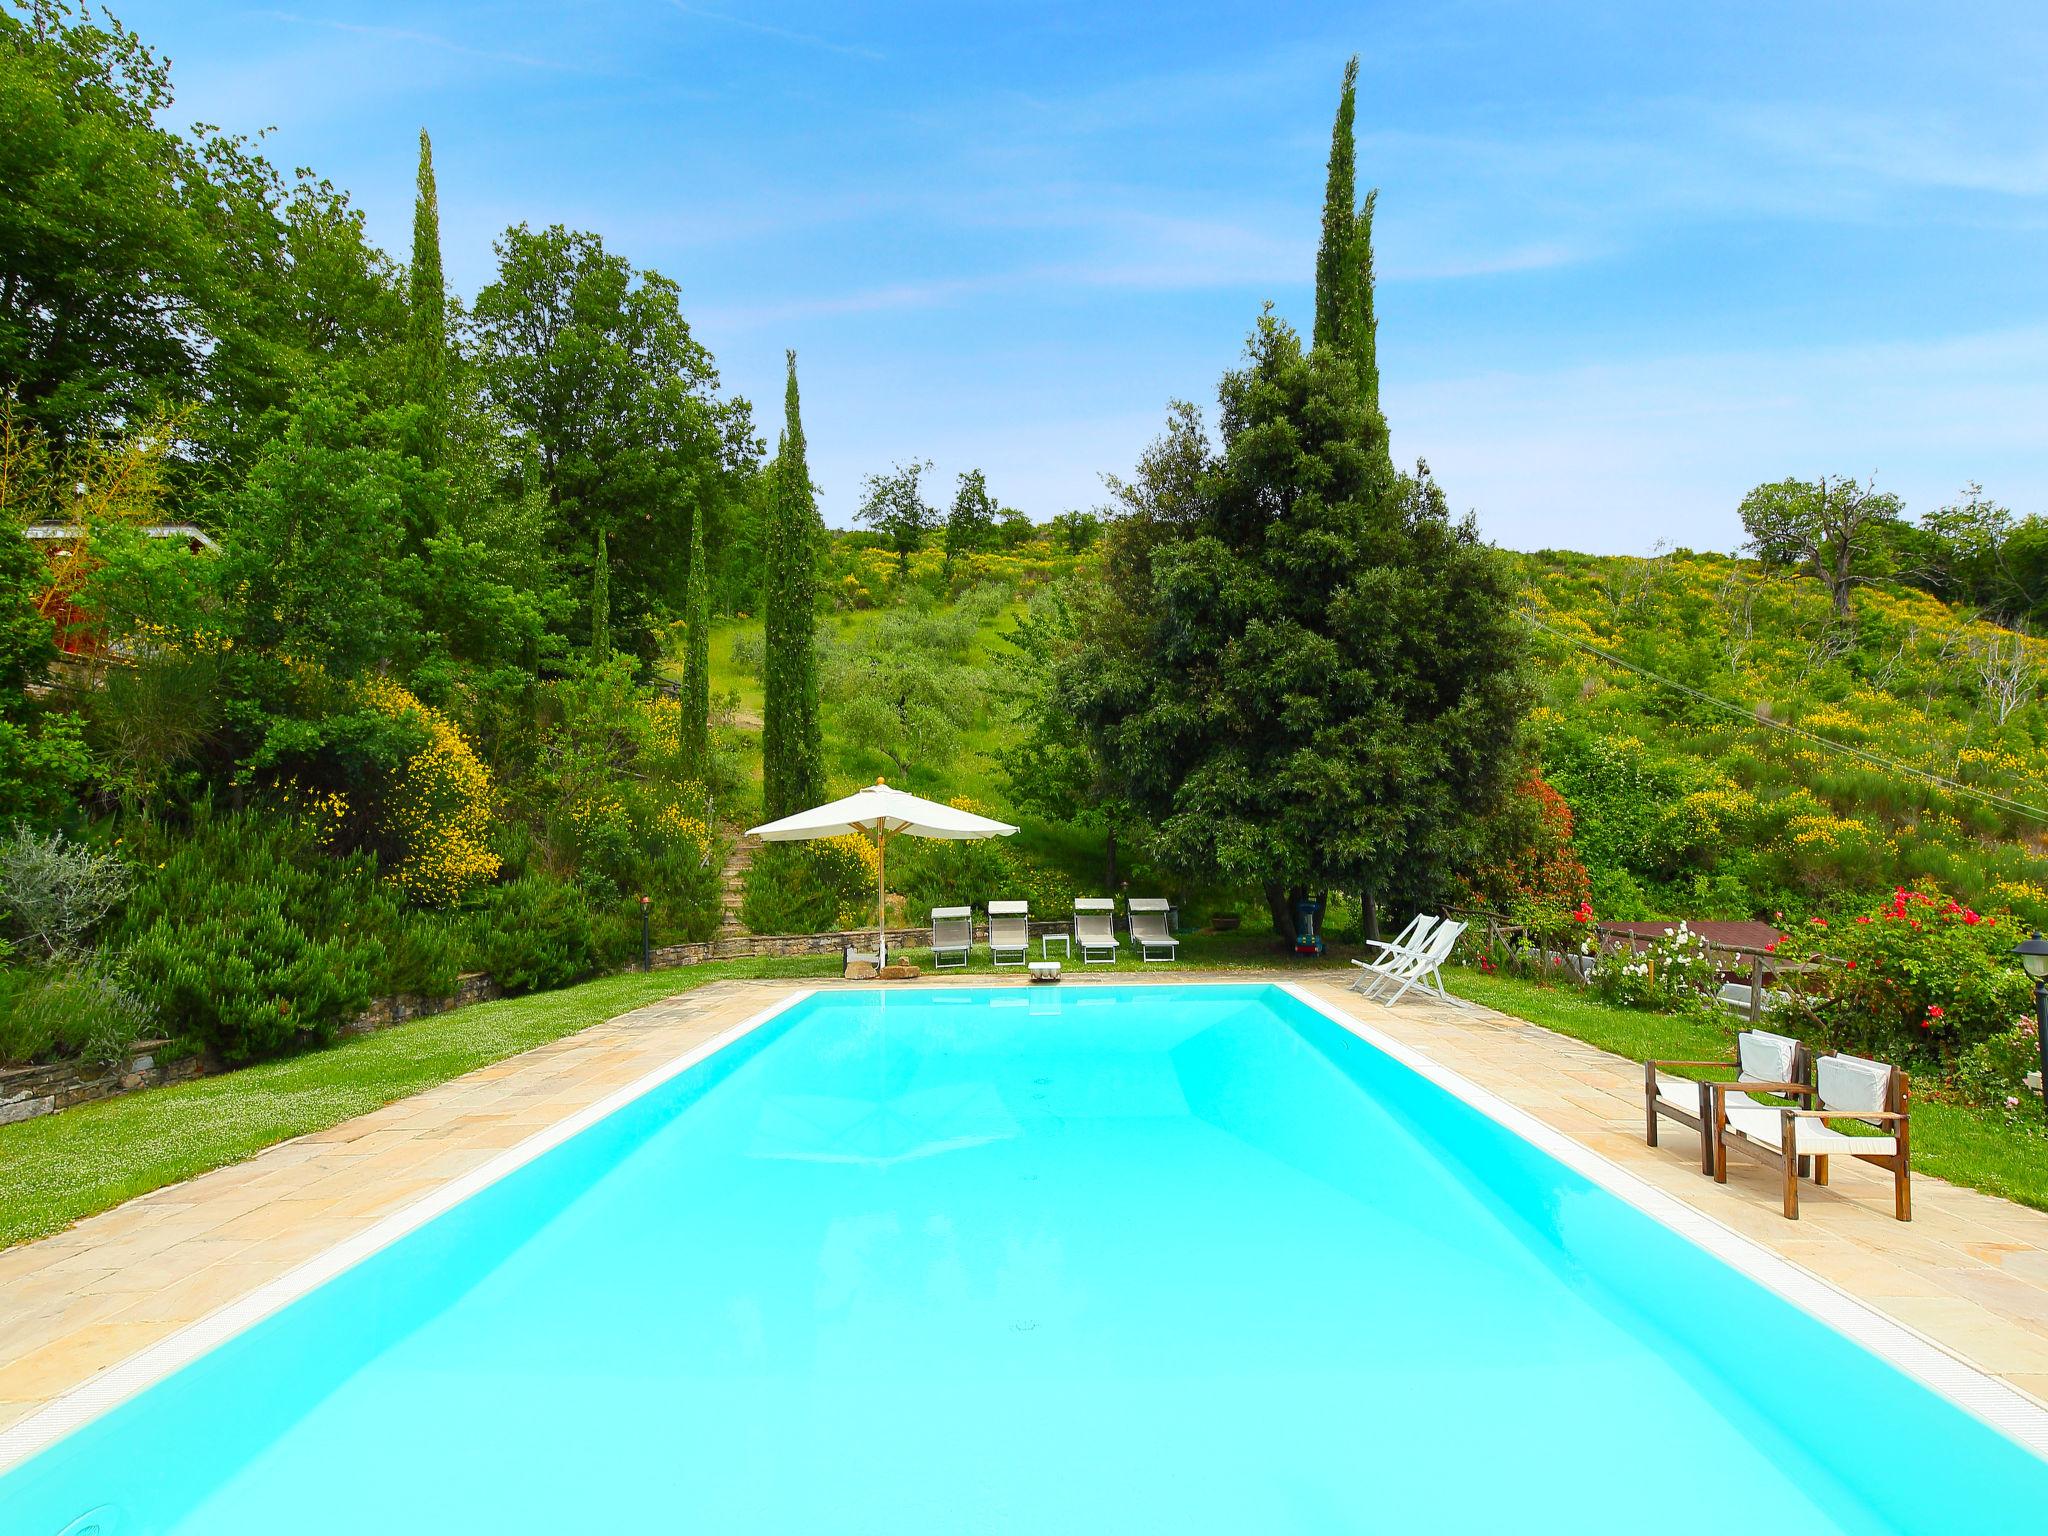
(476,987)
(26,1092)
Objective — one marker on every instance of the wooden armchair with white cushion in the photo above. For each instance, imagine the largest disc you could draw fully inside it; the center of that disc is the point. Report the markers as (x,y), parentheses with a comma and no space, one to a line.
(1763,1063)
(1848,1088)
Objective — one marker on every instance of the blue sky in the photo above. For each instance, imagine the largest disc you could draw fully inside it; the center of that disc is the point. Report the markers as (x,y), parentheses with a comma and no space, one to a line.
(1633,261)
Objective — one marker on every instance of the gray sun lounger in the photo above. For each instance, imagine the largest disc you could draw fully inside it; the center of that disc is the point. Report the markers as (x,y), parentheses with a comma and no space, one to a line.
(1095,929)
(952,937)
(1148,928)
(1009,932)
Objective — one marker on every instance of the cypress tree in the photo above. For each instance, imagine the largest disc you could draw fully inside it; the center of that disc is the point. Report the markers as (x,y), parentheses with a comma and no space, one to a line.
(601,601)
(1363,336)
(792,750)
(1346,320)
(695,743)
(1338,249)
(428,310)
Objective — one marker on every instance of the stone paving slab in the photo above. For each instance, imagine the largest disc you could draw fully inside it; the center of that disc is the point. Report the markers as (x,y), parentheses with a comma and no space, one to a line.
(1970,1271)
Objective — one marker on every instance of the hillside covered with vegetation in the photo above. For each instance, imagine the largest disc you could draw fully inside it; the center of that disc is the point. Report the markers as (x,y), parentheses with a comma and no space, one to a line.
(1730,746)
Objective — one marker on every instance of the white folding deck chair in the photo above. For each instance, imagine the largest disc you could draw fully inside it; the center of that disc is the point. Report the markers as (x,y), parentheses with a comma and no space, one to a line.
(1095,929)
(1009,932)
(1148,928)
(952,935)
(1420,967)
(1407,941)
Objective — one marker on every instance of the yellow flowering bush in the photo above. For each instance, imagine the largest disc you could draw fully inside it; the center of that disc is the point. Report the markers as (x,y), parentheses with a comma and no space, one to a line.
(440,809)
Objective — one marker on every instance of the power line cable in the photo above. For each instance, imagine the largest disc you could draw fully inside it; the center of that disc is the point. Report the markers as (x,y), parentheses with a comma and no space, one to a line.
(1750,715)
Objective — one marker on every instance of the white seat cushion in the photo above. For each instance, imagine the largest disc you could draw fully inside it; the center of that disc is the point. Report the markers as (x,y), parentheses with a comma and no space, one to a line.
(1812,1138)
(1765,1057)
(1853,1083)
(1684,1093)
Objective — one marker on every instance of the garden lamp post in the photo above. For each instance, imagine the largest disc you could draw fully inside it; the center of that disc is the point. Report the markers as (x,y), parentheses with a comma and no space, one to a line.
(646,951)
(2033,953)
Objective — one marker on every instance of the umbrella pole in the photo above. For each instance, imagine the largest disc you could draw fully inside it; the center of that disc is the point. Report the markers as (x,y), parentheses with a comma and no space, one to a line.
(881,894)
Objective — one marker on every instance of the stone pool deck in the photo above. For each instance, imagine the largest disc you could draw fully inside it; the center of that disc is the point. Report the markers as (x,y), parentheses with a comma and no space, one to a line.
(1969,1272)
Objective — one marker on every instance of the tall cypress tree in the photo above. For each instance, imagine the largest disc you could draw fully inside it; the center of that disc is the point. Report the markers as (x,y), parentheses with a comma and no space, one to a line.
(1346,320)
(601,601)
(428,310)
(694,745)
(1363,338)
(792,749)
(1338,249)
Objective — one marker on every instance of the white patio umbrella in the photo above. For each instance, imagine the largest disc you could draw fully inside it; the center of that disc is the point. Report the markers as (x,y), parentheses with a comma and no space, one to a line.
(887,813)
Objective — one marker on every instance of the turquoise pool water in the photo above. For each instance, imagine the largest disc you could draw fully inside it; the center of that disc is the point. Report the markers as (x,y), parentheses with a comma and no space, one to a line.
(1164,1259)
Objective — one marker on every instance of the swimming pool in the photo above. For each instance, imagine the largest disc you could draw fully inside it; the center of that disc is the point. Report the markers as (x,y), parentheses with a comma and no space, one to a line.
(1122,1259)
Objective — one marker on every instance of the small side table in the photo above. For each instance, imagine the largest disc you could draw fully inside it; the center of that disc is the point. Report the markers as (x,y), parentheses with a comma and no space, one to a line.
(1047,940)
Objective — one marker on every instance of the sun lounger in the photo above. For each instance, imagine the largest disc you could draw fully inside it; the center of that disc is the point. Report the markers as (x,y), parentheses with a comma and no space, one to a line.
(952,937)
(1148,928)
(1095,929)
(1009,932)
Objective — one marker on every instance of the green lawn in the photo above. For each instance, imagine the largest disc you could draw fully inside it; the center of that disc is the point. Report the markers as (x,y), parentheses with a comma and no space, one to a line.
(1952,1141)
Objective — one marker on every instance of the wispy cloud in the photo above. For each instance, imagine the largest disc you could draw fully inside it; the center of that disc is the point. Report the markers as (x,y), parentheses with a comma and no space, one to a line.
(783,34)
(419,39)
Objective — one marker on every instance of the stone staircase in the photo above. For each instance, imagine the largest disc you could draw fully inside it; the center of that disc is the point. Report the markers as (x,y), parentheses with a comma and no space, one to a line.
(734,880)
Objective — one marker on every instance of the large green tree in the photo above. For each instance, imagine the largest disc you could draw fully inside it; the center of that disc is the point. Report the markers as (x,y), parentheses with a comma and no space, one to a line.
(1301,671)
(102,262)
(1838,528)
(971,524)
(892,503)
(595,363)
(792,744)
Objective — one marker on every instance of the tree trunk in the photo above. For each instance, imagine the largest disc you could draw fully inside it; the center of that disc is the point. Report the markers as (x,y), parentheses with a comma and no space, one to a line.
(1369,914)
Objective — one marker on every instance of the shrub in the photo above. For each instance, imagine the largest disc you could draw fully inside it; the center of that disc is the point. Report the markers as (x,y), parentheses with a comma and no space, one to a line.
(87,1011)
(248,981)
(534,933)
(56,890)
(688,887)
(440,809)
(1677,972)
(1527,864)
(425,953)
(749,656)
(1993,1072)
(252,941)
(810,887)
(1923,976)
